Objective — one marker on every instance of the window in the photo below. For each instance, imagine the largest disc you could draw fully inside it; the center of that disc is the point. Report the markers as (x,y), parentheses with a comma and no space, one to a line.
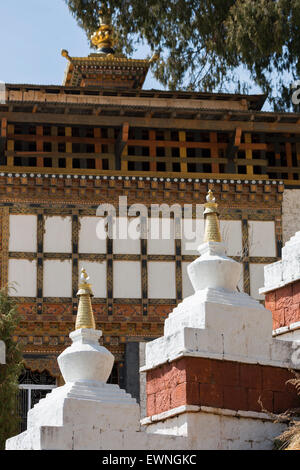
(61,131)
(160,166)
(160,151)
(32,146)
(160,135)
(145,134)
(242,170)
(175,152)
(90,164)
(46,130)
(31,161)
(18,129)
(283,160)
(48,162)
(257,170)
(191,152)
(75,132)
(105,164)
(104,133)
(76,148)
(33,386)
(207,168)
(222,137)
(17,161)
(89,132)
(190,136)
(90,148)
(191,167)
(206,153)
(47,147)
(18,145)
(271,158)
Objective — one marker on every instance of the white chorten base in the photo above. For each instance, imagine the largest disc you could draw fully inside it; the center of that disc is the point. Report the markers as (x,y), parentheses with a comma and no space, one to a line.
(87,413)
(208,428)
(88,416)
(86,402)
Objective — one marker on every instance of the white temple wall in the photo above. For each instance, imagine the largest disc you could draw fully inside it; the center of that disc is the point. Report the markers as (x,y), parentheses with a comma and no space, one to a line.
(58,235)
(127,279)
(88,240)
(261,238)
(290,213)
(161,256)
(22,277)
(231,233)
(23,233)
(161,280)
(57,278)
(256,280)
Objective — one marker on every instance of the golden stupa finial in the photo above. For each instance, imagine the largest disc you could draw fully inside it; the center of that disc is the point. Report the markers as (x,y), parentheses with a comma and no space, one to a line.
(103,37)
(85,316)
(212,226)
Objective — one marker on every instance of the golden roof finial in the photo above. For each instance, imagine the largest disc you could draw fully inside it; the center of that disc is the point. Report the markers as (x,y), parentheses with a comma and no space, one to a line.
(103,37)
(212,227)
(65,54)
(85,316)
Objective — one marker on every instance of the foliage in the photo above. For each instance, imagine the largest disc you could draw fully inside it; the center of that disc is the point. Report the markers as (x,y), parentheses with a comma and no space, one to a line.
(9,372)
(289,439)
(202,42)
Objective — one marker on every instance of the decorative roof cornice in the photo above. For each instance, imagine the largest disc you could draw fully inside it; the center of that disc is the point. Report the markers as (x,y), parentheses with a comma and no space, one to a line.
(105,60)
(98,69)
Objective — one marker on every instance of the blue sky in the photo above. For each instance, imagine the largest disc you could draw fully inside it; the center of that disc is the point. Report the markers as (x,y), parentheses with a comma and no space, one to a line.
(32,35)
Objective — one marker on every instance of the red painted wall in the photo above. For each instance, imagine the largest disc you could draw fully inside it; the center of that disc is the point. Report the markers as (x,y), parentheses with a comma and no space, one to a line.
(221,384)
(284,304)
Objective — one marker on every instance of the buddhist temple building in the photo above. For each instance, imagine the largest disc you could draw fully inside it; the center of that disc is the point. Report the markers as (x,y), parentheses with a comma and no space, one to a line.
(66,149)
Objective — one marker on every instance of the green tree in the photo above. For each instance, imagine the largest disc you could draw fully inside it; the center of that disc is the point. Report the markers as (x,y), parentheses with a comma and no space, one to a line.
(9,372)
(202,42)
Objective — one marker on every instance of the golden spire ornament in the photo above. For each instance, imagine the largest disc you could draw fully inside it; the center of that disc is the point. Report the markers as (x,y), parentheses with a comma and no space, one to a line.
(85,316)
(103,37)
(212,226)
